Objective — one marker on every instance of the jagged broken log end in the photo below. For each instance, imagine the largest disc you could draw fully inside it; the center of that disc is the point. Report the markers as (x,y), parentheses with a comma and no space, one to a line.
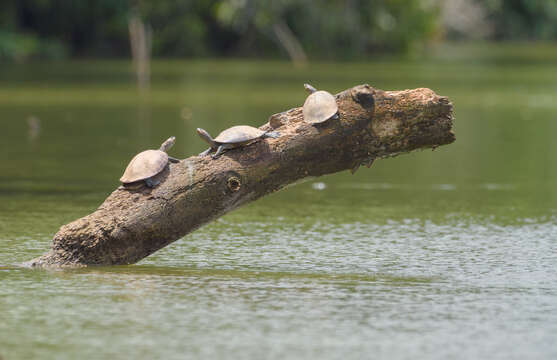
(135,221)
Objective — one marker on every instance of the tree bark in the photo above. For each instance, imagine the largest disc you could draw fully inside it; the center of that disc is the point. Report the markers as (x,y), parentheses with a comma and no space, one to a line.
(134,222)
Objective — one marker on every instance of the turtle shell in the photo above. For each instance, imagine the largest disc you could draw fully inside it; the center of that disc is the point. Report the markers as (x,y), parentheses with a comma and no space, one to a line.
(239,134)
(319,107)
(144,165)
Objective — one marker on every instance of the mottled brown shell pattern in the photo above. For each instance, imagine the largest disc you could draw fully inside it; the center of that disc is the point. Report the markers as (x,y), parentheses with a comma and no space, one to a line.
(144,165)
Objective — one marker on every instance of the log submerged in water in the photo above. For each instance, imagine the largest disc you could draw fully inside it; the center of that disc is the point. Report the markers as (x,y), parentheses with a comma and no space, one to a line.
(134,222)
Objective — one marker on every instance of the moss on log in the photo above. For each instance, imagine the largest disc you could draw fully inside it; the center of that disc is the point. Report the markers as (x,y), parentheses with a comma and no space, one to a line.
(134,222)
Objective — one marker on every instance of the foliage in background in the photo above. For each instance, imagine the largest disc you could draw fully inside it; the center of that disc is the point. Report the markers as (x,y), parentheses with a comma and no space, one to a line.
(327,29)
(330,28)
(19,47)
(500,20)
(523,19)
(58,27)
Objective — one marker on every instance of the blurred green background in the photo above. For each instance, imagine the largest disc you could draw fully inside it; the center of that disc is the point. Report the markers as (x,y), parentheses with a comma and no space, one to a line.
(329,29)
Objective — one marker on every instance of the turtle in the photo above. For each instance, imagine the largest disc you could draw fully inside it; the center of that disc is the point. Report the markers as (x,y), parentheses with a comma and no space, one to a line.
(145,165)
(320,106)
(233,137)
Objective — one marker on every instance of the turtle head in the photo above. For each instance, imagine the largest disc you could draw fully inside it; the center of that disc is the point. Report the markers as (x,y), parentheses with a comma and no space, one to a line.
(168,144)
(205,136)
(310,89)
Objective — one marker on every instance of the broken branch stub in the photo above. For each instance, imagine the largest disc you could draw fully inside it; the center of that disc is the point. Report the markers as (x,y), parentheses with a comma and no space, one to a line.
(133,223)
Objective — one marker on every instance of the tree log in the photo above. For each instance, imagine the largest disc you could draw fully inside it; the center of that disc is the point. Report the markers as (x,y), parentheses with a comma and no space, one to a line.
(134,222)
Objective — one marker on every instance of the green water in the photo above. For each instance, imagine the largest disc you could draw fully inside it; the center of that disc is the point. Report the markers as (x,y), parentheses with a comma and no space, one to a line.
(433,255)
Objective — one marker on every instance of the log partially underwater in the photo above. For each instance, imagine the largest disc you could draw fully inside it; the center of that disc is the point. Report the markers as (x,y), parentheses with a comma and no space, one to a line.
(133,223)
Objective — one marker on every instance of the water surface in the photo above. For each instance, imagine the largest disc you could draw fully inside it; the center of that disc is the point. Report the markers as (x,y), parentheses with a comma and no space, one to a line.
(435,255)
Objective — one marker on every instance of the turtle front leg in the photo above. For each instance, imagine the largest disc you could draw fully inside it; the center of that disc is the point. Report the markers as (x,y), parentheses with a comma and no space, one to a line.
(272,134)
(174,160)
(219,151)
(206,152)
(151,183)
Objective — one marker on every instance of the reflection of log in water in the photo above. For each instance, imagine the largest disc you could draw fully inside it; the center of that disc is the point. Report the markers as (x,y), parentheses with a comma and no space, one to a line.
(134,223)
(140,42)
(34,125)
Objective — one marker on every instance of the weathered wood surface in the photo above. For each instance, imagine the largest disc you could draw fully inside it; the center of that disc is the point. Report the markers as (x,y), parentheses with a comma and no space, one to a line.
(133,223)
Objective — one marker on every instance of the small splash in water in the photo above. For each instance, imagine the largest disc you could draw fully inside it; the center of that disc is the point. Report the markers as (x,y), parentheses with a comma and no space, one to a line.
(319,186)
(444,187)
(491,187)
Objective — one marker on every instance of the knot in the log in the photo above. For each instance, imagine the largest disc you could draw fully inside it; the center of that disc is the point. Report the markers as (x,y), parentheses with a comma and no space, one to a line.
(364,95)
(233,183)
